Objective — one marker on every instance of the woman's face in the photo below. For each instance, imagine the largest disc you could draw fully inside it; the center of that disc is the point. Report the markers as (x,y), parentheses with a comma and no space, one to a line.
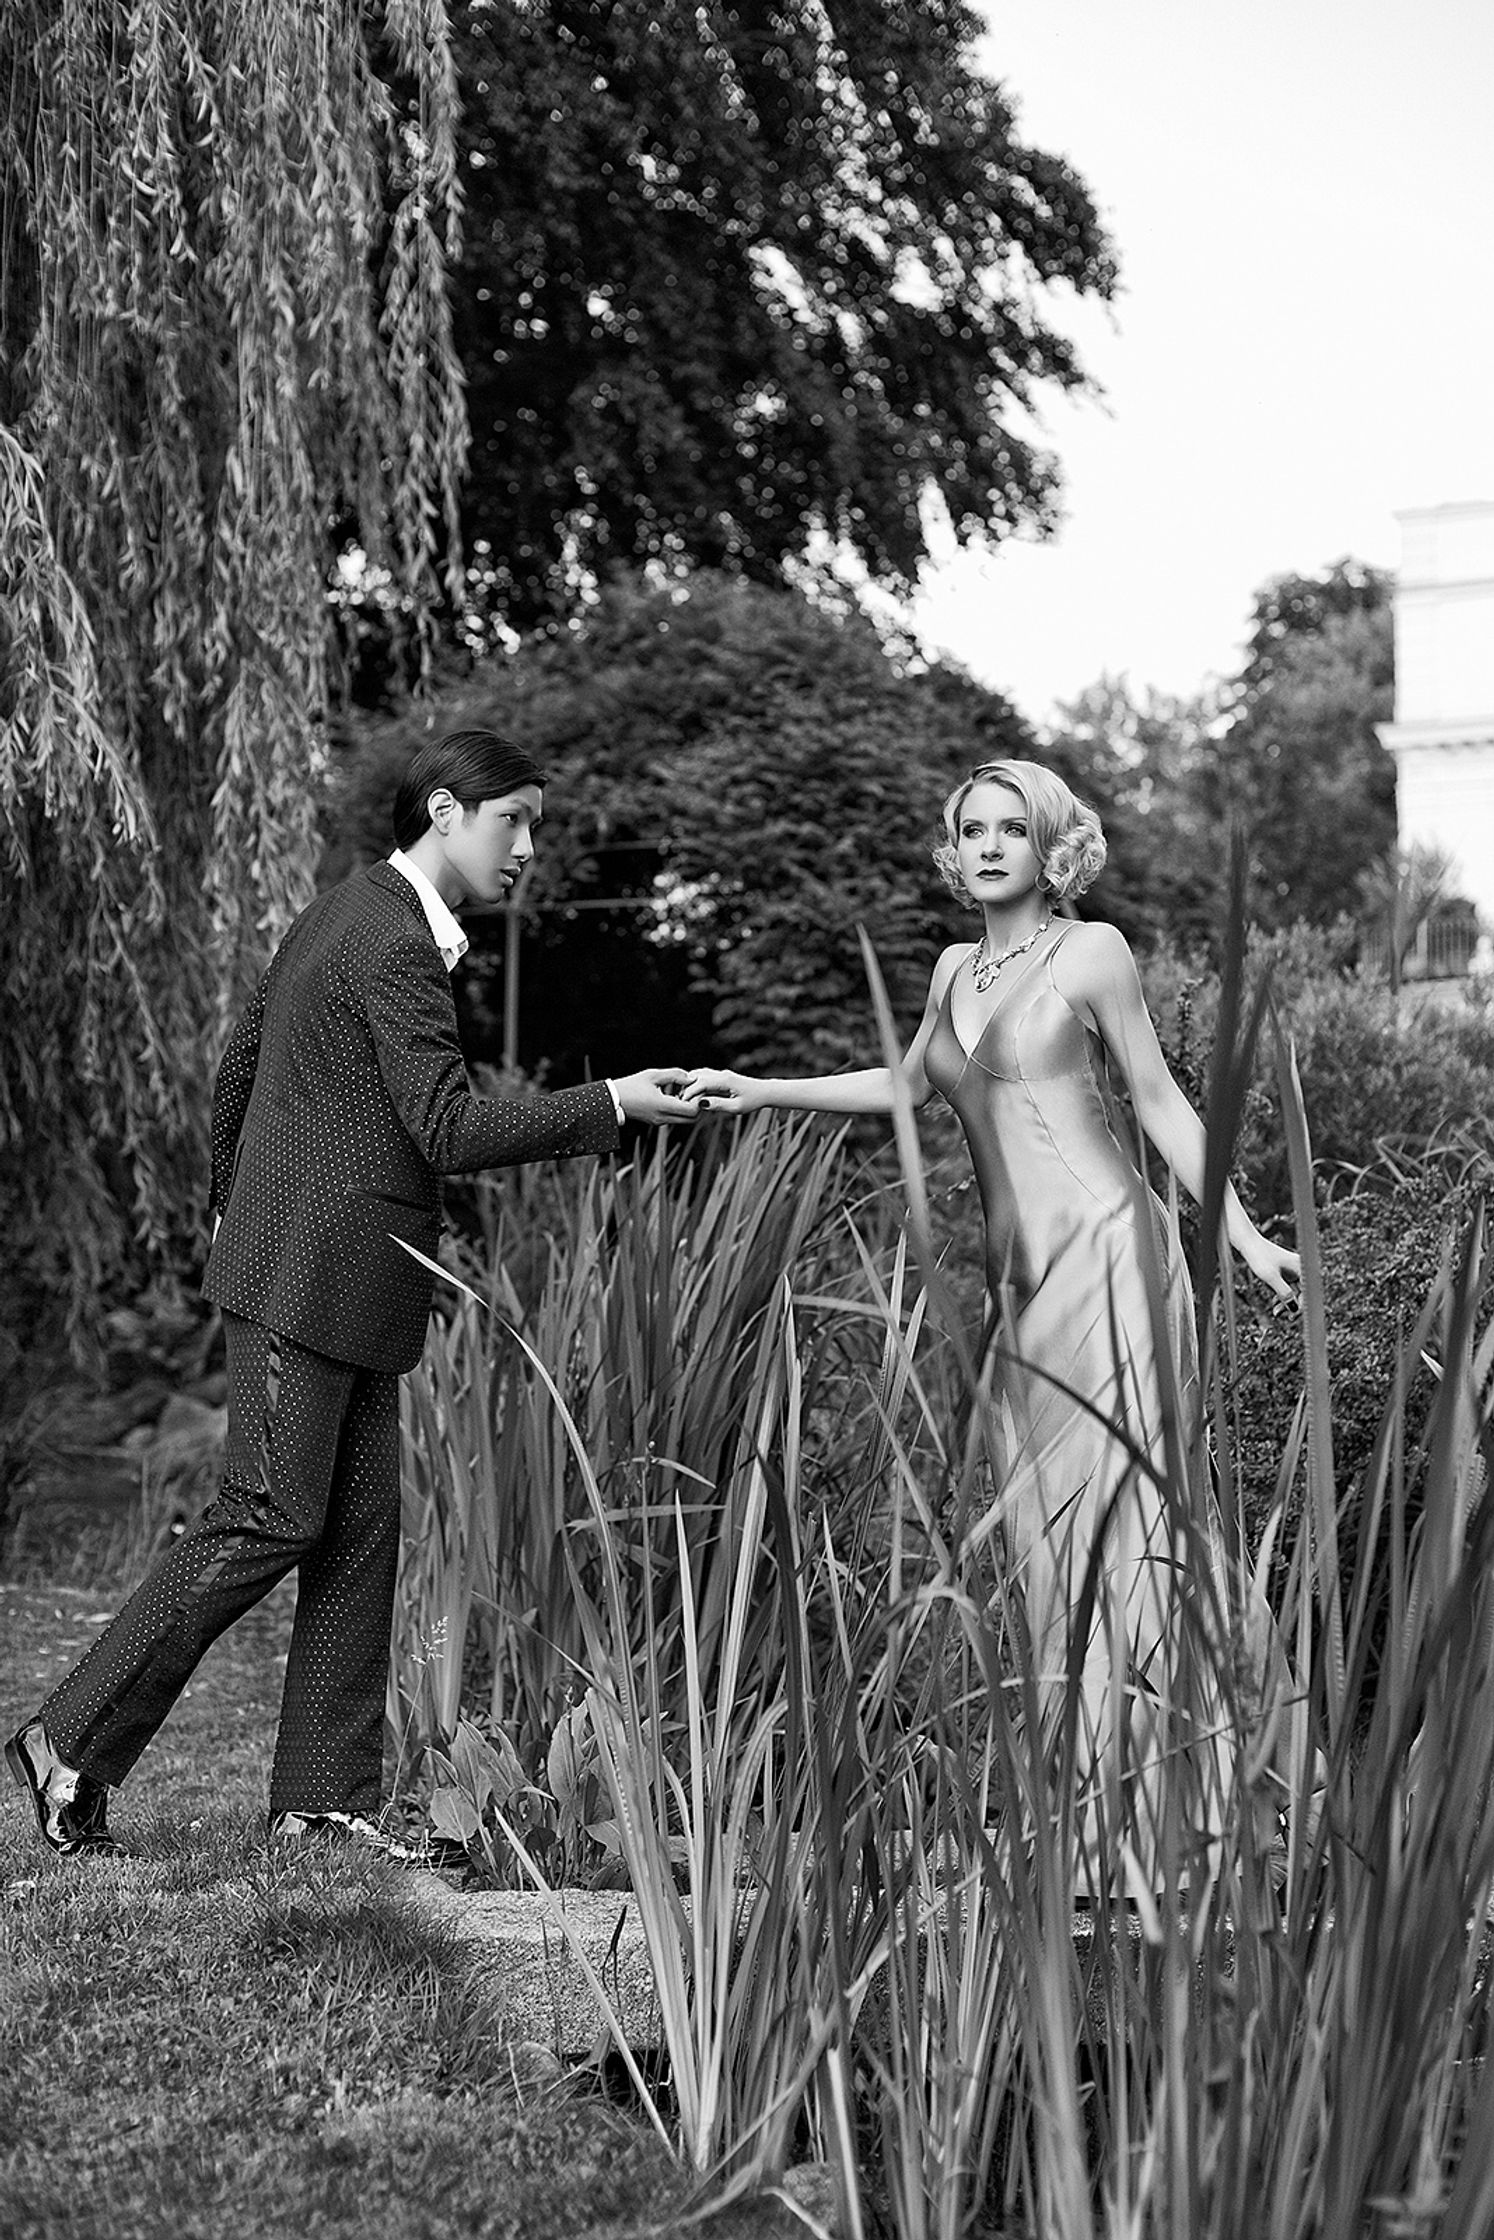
(997,859)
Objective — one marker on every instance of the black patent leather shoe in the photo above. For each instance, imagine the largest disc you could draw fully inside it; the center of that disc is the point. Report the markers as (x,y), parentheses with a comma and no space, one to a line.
(71,1808)
(288,1829)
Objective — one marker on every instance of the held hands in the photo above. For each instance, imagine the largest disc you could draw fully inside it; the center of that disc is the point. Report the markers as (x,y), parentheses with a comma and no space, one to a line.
(662,1093)
(713,1090)
(647,1095)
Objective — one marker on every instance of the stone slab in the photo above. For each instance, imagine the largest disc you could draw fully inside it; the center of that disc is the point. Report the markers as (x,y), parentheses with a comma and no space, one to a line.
(528,1940)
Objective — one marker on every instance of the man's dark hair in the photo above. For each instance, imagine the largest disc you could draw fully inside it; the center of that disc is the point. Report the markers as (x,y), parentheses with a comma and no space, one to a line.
(472,765)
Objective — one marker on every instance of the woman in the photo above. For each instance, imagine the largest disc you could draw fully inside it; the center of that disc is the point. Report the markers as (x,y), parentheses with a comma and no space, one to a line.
(1014,1035)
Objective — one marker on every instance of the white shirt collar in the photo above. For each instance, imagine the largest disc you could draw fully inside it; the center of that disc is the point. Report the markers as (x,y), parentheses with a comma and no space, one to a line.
(449,937)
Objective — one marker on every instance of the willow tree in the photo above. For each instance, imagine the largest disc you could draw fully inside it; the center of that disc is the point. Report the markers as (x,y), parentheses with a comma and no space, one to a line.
(224,348)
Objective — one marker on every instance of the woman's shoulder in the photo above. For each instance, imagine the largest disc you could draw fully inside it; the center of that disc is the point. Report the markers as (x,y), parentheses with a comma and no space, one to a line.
(1097,935)
(1094,948)
(948,963)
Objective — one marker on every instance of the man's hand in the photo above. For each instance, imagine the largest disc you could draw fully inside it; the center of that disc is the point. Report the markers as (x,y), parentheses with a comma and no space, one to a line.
(646,1096)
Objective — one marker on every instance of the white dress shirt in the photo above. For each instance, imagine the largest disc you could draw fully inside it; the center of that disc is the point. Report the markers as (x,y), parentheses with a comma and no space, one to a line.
(449,937)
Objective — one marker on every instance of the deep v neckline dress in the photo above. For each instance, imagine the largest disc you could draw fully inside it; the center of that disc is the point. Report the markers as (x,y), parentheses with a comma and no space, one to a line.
(1060,1192)
(1063,1200)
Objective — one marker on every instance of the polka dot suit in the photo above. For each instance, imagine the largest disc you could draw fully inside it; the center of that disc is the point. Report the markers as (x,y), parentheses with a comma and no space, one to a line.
(341,1101)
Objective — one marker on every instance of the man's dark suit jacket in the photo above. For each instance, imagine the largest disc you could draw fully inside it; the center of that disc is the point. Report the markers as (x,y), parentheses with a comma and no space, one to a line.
(342,1099)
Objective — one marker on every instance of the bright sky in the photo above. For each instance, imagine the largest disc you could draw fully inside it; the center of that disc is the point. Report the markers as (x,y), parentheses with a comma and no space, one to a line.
(1301,193)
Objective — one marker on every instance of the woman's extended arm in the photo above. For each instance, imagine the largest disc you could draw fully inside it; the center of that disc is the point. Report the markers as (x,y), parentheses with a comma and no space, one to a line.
(1095,972)
(869,1090)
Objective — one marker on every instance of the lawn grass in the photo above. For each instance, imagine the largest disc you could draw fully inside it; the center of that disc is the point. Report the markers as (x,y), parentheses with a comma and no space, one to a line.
(201,2040)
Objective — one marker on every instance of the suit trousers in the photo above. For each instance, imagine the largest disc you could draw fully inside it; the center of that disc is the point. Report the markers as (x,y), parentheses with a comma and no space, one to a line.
(310,1481)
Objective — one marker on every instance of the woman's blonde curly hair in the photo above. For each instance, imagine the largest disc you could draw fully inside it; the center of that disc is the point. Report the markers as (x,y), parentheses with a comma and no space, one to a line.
(1063,829)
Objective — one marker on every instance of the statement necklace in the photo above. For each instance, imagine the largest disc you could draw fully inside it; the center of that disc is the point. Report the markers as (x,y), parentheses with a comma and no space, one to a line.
(983,969)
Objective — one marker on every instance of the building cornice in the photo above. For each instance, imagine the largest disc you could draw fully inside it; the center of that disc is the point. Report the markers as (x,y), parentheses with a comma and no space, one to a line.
(1439,584)
(1447,506)
(1461,731)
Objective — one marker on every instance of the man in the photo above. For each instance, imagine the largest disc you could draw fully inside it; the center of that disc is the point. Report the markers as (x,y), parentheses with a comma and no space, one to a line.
(341,1101)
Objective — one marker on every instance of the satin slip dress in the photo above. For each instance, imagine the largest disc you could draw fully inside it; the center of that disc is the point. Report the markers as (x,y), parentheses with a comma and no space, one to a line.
(1063,1201)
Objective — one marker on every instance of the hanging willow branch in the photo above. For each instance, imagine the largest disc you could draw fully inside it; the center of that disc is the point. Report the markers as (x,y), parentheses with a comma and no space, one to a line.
(223,338)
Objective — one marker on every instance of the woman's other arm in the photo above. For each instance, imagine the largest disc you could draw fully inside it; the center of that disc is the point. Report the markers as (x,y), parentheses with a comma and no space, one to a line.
(1096,973)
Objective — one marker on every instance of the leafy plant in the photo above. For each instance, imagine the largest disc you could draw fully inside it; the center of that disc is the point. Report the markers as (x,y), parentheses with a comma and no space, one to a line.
(480,1791)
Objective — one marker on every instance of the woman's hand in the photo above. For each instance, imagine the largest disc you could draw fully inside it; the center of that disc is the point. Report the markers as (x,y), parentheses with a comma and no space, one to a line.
(711,1089)
(1279,1268)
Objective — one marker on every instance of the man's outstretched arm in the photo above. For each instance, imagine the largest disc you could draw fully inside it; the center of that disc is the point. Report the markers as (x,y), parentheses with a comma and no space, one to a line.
(413,1022)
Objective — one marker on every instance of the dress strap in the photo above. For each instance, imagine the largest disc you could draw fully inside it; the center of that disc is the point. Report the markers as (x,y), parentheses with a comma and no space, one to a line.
(1061,934)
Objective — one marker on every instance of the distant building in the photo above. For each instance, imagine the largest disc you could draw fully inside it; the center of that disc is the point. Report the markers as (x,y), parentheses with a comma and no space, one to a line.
(1443,734)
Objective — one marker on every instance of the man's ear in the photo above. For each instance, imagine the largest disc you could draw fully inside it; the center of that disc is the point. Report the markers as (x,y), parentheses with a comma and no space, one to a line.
(441,808)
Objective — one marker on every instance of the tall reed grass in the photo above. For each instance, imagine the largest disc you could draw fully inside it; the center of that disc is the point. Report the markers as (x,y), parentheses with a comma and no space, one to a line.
(728,1487)
(650,1305)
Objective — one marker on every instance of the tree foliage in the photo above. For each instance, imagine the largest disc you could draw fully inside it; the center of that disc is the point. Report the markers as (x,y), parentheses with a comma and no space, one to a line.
(1300,764)
(1287,749)
(1141,761)
(749,777)
(222,326)
(738,274)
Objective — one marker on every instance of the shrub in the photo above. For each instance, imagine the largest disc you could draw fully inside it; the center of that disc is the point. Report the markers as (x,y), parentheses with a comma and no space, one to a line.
(1384,1245)
(738,778)
(1382,1080)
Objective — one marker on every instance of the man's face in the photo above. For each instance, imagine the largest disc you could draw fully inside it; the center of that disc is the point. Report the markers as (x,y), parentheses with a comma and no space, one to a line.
(486,848)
